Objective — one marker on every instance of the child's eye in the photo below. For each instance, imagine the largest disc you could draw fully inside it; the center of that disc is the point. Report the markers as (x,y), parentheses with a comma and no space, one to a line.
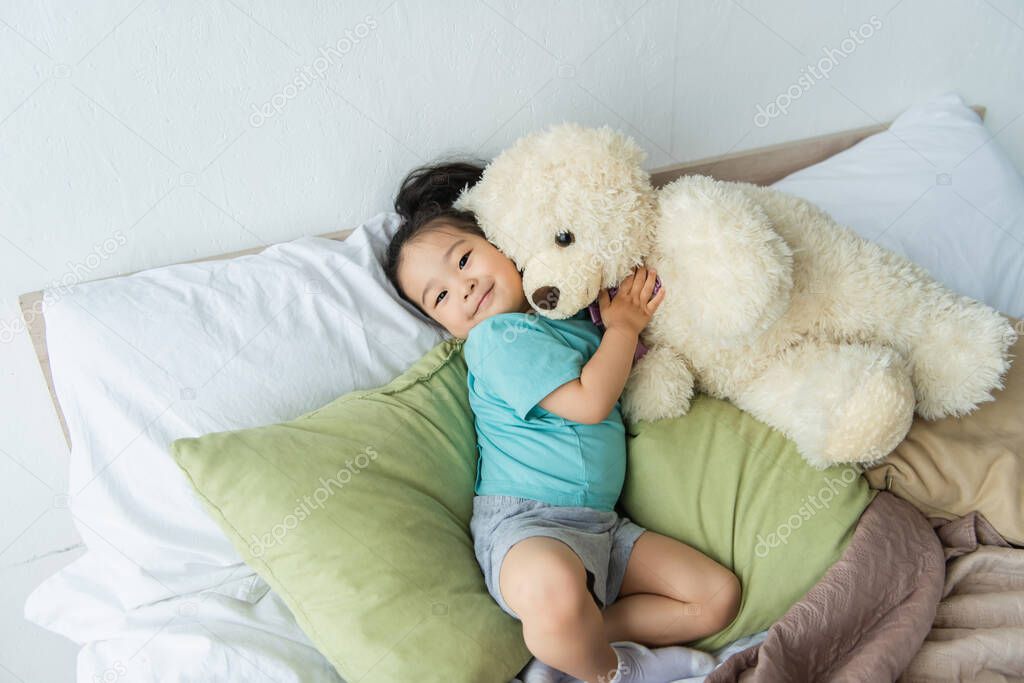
(462,264)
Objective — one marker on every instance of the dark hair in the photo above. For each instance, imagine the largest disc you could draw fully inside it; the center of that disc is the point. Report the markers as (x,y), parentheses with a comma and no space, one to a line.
(424,202)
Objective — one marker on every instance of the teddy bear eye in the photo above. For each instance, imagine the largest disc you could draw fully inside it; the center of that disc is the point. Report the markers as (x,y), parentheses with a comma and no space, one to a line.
(564,239)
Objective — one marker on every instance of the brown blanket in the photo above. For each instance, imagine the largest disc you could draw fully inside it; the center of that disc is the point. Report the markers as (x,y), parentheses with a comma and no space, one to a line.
(868,615)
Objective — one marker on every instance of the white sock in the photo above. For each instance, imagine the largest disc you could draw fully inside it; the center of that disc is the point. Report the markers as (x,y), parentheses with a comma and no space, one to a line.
(638,664)
(539,672)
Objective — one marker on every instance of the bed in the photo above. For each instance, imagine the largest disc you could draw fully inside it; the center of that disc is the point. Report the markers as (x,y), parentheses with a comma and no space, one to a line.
(246,629)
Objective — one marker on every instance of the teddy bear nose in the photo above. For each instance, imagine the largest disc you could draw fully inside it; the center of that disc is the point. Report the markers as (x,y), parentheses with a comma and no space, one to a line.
(546,298)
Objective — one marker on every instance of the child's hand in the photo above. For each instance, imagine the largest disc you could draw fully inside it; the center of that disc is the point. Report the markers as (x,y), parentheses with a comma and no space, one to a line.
(632,307)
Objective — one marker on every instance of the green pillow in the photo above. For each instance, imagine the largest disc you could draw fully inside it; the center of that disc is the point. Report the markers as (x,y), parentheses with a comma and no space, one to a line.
(738,491)
(357,514)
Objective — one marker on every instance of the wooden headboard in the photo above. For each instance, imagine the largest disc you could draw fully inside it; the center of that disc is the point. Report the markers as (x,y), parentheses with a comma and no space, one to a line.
(762,166)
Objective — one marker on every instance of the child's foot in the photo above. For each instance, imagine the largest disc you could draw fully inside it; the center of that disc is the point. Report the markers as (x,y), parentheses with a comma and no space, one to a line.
(638,664)
(539,672)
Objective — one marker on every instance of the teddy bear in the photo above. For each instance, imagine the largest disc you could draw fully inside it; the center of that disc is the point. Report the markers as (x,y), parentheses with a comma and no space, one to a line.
(769,303)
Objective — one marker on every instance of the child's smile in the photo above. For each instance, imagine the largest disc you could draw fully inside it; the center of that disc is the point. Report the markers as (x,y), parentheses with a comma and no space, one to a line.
(485,299)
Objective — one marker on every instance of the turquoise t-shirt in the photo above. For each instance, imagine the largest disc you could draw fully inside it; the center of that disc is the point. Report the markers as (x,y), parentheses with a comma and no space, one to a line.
(514,361)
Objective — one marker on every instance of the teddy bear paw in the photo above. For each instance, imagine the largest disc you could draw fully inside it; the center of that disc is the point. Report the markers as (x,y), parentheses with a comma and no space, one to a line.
(660,386)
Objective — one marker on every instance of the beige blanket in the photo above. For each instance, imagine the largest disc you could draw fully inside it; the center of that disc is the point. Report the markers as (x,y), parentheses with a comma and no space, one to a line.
(978,633)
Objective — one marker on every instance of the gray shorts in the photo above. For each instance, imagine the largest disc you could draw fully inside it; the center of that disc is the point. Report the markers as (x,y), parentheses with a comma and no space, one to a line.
(601,538)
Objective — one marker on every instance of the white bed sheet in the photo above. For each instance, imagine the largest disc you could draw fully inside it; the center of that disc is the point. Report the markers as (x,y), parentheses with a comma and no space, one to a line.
(190,639)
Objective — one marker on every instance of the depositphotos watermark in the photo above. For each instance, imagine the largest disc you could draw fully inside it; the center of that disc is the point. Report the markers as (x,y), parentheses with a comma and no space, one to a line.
(813,73)
(307,504)
(57,289)
(111,673)
(817,502)
(329,55)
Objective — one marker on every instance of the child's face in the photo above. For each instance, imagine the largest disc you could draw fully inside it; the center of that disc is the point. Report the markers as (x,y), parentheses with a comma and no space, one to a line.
(460,279)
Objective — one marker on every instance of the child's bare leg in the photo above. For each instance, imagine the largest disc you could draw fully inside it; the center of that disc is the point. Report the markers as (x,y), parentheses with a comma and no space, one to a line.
(545,584)
(671,594)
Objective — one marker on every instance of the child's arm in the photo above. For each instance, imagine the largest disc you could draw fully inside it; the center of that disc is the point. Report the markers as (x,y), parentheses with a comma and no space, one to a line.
(590,398)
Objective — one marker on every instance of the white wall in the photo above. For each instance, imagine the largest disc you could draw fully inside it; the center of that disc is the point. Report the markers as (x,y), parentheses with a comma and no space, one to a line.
(139,117)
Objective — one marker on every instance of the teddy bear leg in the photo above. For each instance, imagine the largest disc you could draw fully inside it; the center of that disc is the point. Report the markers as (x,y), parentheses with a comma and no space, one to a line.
(958,357)
(877,416)
(660,385)
(838,403)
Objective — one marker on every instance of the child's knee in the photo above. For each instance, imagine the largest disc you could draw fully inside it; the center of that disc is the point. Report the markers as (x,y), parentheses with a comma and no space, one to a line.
(726,604)
(542,577)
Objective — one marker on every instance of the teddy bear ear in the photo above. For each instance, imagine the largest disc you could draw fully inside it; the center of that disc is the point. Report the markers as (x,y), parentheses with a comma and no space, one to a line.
(465,199)
(624,145)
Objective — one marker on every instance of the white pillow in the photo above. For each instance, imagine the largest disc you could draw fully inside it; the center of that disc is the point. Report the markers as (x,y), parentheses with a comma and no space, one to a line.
(937,189)
(141,360)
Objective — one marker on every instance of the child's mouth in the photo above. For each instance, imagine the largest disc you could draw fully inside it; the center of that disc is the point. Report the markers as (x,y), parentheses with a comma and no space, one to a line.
(486,298)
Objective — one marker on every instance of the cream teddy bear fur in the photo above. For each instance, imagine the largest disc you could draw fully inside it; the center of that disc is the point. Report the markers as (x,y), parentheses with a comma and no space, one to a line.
(769,303)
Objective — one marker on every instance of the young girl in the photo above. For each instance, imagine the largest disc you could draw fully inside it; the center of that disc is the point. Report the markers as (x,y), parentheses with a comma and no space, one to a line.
(591,588)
